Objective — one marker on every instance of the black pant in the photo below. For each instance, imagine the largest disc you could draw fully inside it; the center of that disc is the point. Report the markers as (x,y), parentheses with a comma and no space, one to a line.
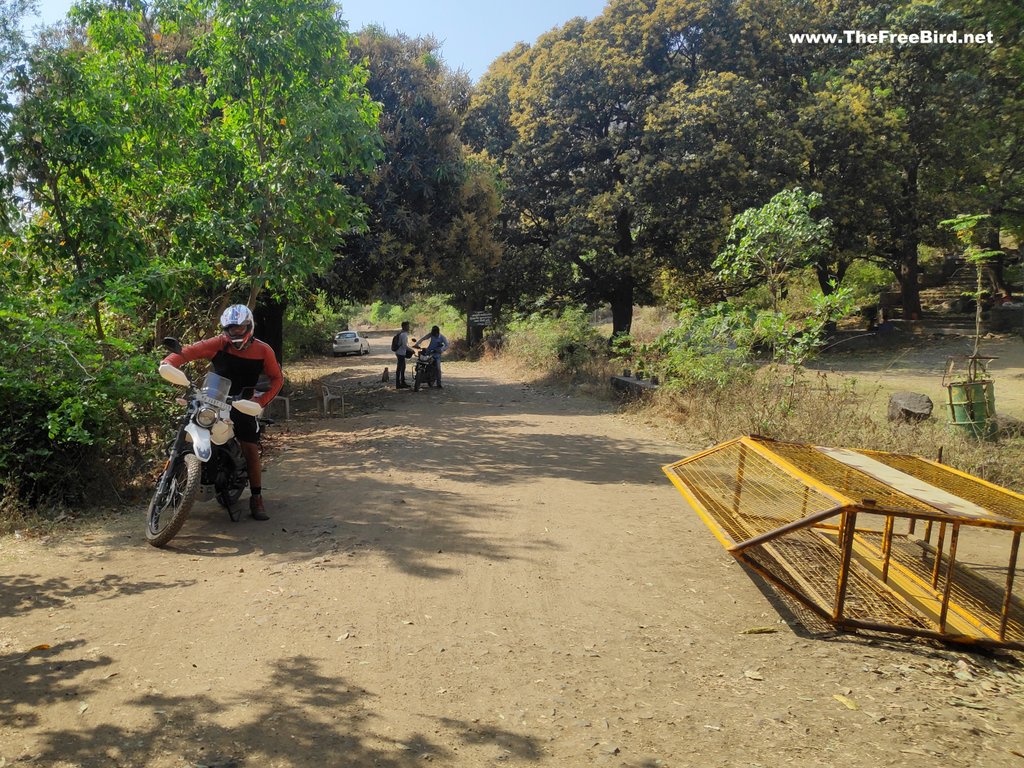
(400,370)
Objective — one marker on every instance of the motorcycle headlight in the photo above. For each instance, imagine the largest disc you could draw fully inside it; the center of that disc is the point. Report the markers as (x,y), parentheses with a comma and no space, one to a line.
(206,417)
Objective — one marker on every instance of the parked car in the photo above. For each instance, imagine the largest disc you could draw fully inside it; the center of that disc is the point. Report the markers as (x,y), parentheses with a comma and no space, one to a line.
(350,343)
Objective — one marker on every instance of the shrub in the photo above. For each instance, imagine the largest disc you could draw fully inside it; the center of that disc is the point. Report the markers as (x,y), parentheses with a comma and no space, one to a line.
(787,403)
(72,403)
(422,312)
(382,313)
(706,346)
(717,345)
(866,280)
(562,344)
(434,309)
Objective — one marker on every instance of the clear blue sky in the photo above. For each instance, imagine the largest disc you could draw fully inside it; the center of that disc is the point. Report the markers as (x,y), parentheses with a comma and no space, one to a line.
(473,33)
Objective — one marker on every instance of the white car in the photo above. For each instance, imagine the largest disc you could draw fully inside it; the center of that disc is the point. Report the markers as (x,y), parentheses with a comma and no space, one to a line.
(350,343)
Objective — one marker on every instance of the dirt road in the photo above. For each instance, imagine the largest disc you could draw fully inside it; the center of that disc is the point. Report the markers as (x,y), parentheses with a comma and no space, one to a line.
(492,574)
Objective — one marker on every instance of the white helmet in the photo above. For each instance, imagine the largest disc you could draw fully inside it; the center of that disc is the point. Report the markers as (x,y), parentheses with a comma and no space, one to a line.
(238,325)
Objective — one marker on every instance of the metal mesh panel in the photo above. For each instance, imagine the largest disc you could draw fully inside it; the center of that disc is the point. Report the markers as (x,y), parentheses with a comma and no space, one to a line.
(746,493)
(846,480)
(753,487)
(995,500)
(973,592)
(818,574)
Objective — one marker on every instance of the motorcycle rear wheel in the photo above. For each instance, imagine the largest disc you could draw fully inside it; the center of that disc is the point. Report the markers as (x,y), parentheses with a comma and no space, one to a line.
(168,511)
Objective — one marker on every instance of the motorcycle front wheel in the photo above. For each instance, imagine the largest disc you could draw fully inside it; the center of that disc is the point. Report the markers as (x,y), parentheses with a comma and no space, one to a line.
(168,510)
(416,382)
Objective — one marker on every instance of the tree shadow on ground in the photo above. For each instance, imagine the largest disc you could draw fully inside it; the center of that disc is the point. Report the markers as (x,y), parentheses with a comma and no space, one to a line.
(522,747)
(498,435)
(326,722)
(21,594)
(346,487)
(365,485)
(332,524)
(38,678)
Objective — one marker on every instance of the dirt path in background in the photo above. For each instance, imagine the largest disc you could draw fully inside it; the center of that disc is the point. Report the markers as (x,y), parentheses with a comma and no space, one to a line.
(492,574)
(919,367)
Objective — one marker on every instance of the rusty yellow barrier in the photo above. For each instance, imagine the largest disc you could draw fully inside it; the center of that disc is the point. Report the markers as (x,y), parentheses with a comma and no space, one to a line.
(848,534)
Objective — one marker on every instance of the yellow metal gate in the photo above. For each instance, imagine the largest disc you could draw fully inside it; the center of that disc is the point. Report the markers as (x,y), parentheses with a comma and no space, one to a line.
(866,539)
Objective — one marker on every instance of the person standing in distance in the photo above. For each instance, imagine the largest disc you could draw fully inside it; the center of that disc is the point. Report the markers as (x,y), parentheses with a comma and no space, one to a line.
(238,355)
(436,346)
(402,353)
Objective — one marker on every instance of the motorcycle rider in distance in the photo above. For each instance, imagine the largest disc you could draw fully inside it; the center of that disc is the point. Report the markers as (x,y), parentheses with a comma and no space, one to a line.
(437,344)
(238,355)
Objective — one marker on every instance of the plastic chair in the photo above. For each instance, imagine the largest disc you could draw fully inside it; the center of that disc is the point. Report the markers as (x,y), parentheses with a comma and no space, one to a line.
(327,396)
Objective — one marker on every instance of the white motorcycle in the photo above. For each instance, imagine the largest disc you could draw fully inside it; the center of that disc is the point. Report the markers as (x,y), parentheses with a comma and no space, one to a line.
(205,459)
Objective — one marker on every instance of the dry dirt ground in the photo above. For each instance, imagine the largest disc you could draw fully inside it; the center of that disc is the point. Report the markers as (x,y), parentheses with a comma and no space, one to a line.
(492,574)
(918,364)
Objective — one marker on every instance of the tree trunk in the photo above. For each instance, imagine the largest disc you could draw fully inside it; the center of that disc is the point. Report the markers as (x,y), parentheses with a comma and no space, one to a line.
(907,242)
(995,266)
(910,289)
(829,279)
(622,308)
(623,290)
(269,316)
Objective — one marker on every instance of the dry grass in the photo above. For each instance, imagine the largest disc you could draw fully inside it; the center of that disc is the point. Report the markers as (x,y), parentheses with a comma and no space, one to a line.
(811,407)
(651,322)
(302,373)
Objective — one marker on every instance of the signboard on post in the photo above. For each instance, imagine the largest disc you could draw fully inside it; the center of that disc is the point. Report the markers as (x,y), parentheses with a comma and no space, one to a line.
(480,319)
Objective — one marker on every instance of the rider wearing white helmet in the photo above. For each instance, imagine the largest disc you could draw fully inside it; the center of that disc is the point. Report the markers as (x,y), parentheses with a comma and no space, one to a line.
(238,325)
(239,356)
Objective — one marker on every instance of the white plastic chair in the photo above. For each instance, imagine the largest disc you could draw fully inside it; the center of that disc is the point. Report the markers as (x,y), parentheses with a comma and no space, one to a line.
(327,396)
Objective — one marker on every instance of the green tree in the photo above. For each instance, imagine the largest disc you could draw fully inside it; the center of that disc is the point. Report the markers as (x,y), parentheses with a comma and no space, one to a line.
(922,89)
(521,276)
(106,144)
(172,157)
(850,142)
(576,104)
(292,104)
(711,149)
(12,53)
(766,244)
(177,157)
(431,203)
(412,193)
(995,128)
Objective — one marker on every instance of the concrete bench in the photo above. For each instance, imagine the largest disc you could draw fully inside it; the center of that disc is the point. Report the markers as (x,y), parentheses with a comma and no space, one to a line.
(632,387)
